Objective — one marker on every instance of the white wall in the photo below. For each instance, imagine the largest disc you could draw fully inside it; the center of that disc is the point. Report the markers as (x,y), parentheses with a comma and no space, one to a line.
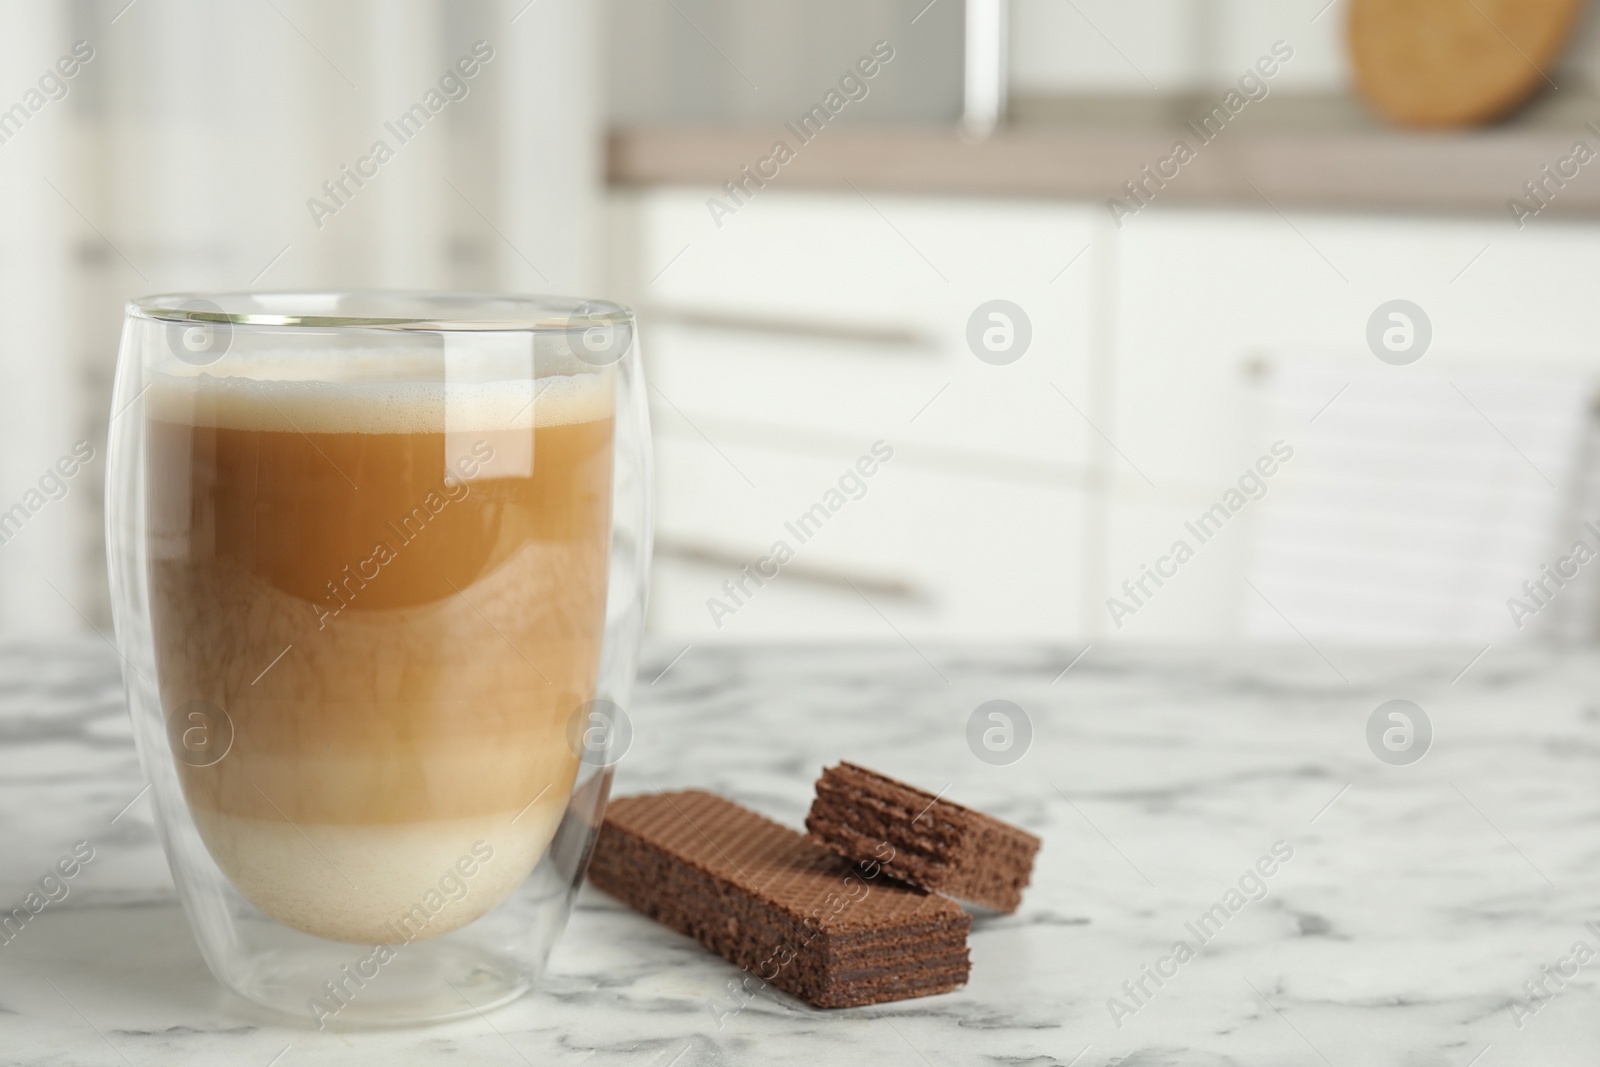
(39,249)
(771,60)
(188,149)
(1153,47)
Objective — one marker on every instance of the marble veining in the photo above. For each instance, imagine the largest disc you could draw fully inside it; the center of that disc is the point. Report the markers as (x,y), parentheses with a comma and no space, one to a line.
(1416,904)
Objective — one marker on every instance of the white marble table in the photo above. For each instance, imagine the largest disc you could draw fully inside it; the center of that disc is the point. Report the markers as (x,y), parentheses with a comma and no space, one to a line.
(1417,902)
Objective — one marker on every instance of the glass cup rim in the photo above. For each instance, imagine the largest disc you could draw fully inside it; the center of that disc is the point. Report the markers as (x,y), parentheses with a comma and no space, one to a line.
(432,311)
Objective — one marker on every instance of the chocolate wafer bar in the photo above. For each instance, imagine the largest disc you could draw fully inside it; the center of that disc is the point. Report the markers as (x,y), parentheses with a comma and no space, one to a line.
(931,842)
(787,910)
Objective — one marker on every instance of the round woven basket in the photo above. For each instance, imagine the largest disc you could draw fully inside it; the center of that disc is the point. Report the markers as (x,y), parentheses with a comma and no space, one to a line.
(1456,62)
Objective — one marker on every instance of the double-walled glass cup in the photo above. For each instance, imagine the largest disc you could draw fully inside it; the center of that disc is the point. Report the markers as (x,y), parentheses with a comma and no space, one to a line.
(379,567)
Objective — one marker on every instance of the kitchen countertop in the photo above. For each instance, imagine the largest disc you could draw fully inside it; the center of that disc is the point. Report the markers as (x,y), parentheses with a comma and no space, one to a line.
(1310,154)
(1416,902)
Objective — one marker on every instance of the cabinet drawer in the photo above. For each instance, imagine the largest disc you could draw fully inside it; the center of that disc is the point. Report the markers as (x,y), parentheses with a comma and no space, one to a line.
(774,390)
(936,552)
(816,313)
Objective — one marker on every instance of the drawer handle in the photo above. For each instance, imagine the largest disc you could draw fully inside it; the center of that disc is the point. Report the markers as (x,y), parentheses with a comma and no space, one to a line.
(732,322)
(713,556)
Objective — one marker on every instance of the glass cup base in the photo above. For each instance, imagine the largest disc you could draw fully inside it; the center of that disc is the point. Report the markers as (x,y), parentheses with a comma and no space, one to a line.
(421,984)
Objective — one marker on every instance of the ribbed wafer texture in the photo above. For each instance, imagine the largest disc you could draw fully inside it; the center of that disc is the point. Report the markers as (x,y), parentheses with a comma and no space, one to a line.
(789,911)
(937,844)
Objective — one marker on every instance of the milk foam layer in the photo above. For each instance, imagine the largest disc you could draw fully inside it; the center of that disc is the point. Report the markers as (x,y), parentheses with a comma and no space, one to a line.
(291,392)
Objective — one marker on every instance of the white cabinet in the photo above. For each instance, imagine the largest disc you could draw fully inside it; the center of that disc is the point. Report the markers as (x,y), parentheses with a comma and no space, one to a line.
(783,345)
(1213,309)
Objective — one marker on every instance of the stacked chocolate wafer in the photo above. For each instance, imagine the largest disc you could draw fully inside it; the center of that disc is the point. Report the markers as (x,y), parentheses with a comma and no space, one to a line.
(921,838)
(839,919)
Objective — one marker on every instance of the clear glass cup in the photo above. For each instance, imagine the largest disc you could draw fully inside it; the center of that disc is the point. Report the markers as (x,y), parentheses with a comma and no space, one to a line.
(379,565)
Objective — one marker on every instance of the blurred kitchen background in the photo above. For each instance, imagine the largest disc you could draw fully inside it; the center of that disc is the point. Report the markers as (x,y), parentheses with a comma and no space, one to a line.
(790,324)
